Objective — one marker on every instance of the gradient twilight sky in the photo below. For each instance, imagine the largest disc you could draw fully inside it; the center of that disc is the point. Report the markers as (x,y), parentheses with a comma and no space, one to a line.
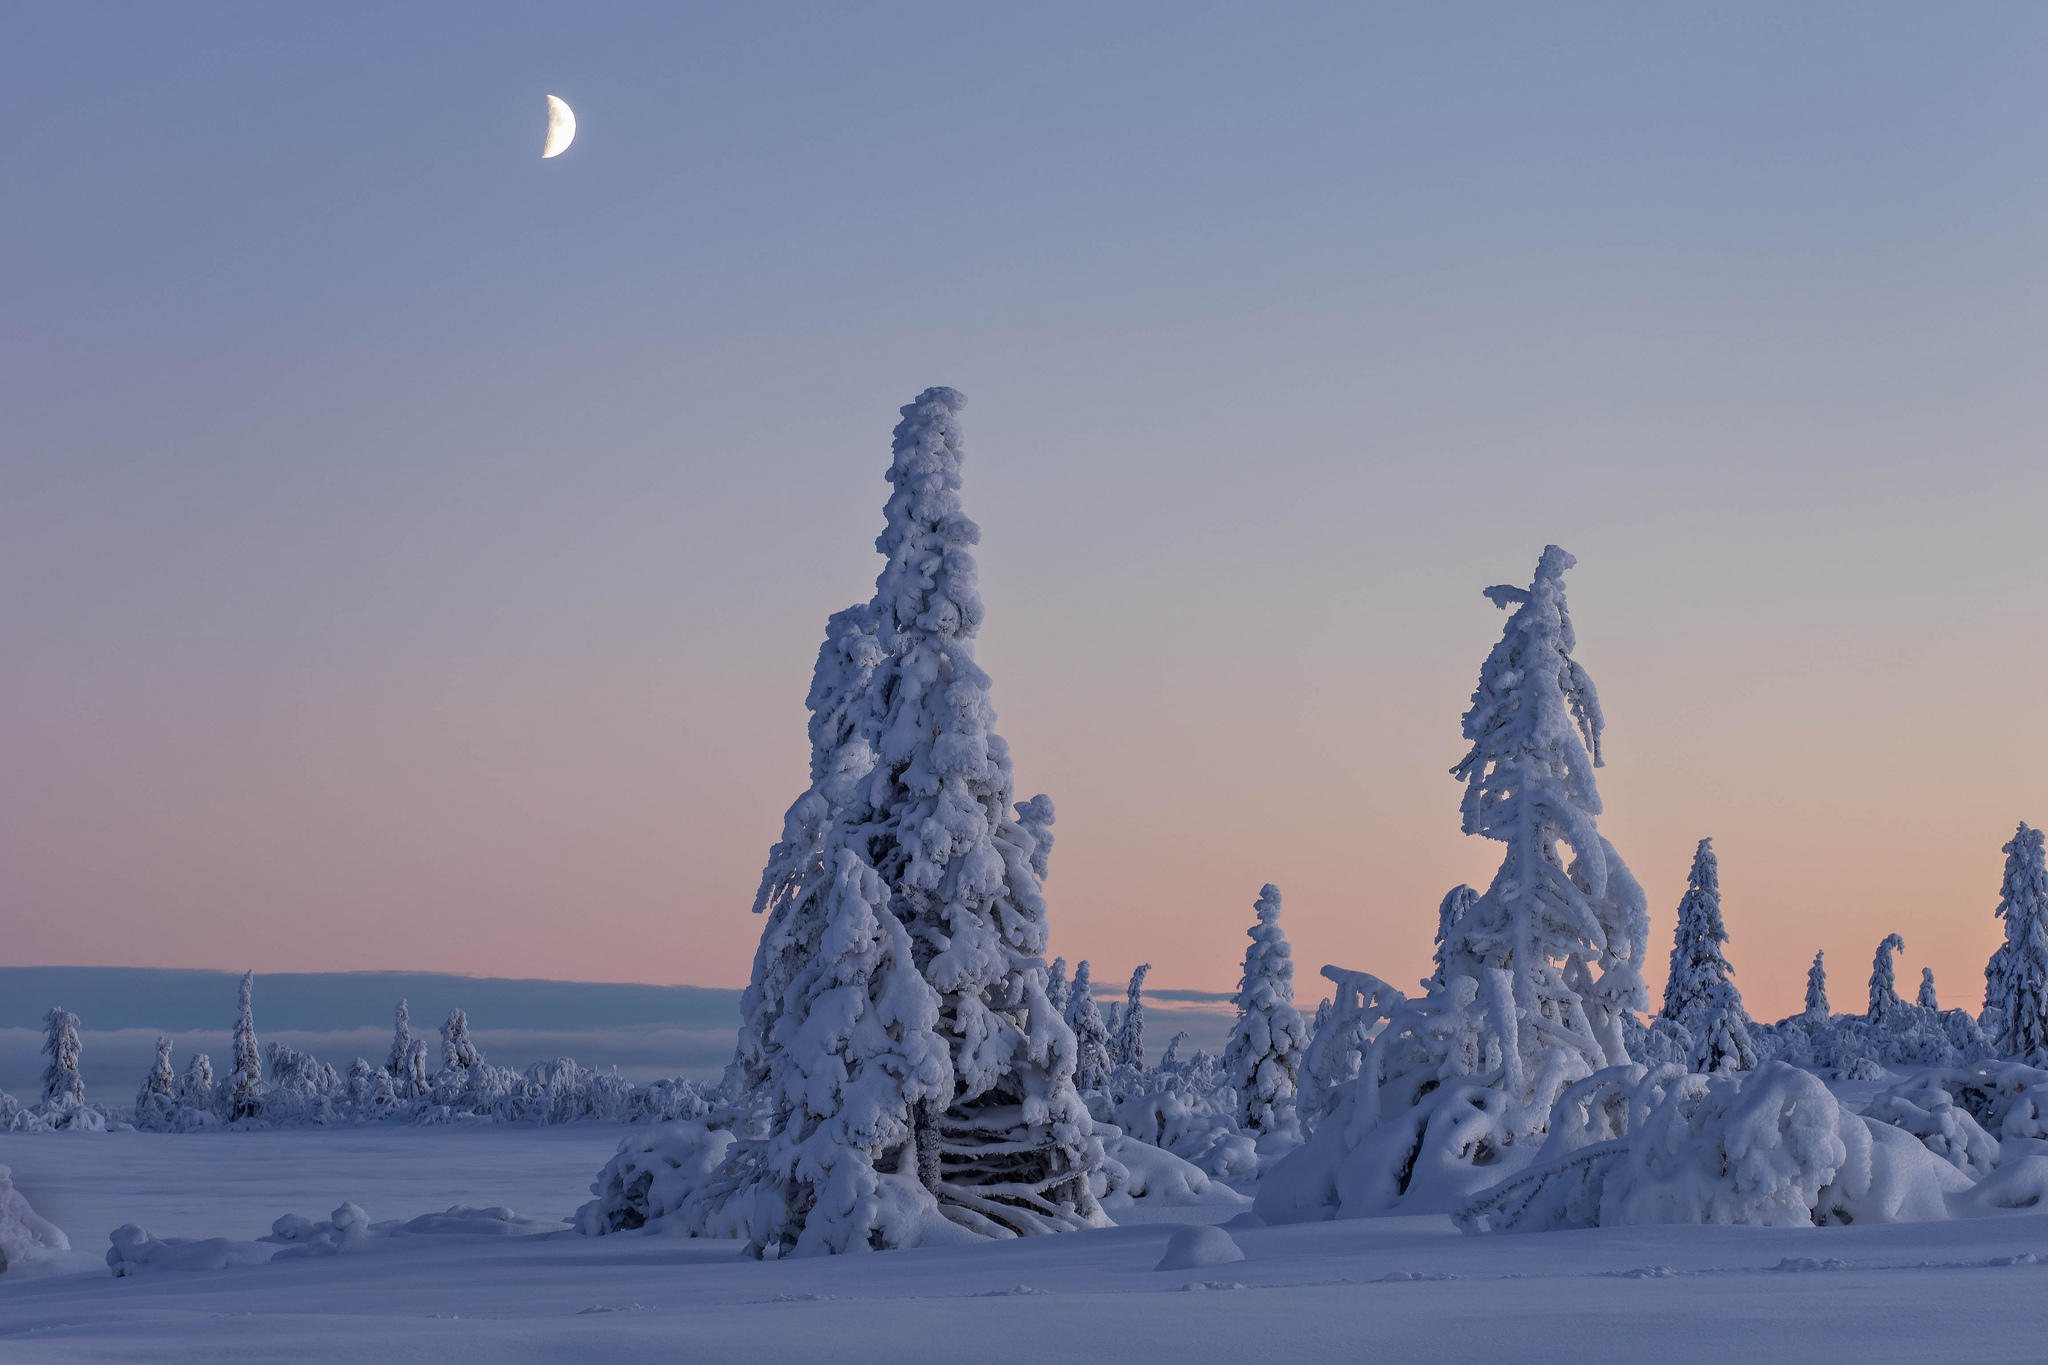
(417,551)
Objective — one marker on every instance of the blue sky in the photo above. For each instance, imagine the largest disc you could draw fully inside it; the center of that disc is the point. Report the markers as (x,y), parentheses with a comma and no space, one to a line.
(418,549)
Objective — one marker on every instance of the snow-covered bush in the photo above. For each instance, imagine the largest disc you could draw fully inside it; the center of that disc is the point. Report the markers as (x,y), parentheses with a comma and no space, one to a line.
(24,1235)
(666,1178)
(1262,1060)
(1336,1045)
(303,1090)
(1924,1107)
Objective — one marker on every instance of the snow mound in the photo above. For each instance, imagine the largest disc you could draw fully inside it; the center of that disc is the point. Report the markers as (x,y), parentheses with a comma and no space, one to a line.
(24,1235)
(1195,1247)
(135,1250)
(1134,1170)
(496,1221)
(662,1178)
(1772,1148)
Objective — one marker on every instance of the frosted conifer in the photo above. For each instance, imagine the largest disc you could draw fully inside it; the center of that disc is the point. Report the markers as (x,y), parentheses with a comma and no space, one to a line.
(1059,992)
(156,1103)
(401,1042)
(856,1063)
(1884,997)
(1927,1000)
(1533,939)
(62,1087)
(458,1052)
(1262,1060)
(414,1082)
(245,1094)
(1129,1048)
(1817,987)
(1091,1034)
(1009,1148)
(1449,911)
(1035,818)
(195,1087)
(2017,979)
(1699,992)
(794,882)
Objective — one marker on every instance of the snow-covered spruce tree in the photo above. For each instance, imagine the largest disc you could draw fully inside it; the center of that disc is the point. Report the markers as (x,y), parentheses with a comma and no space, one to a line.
(1540,973)
(1817,988)
(1928,1000)
(1008,1148)
(1035,818)
(195,1087)
(156,1103)
(1262,1059)
(245,1094)
(1533,941)
(63,1090)
(1449,911)
(401,1043)
(1699,992)
(414,1081)
(1059,992)
(1129,1048)
(856,1059)
(2016,981)
(1091,1034)
(1884,996)
(795,882)
(458,1052)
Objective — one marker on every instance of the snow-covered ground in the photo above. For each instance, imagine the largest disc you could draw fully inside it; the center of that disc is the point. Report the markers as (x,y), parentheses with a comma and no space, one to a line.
(1395,1289)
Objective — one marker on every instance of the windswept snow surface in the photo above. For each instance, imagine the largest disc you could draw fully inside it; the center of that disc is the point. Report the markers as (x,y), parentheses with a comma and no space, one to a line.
(1414,1288)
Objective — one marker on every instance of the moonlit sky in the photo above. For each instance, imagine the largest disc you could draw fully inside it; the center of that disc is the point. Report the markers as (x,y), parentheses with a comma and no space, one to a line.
(416,552)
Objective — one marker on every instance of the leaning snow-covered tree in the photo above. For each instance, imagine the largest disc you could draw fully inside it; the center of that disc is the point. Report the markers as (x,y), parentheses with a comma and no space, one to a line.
(1129,1047)
(62,1088)
(1091,1033)
(245,1094)
(1700,992)
(1262,1059)
(1555,942)
(1540,973)
(1817,987)
(1884,996)
(2017,978)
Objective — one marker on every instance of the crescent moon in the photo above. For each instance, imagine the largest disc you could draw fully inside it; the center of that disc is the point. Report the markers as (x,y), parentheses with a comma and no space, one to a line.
(561,128)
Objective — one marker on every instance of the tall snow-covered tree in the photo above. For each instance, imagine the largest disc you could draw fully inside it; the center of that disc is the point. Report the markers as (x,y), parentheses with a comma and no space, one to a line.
(1563,905)
(1928,1000)
(1449,911)
(1700,993)
(1262,1059)
(1035,818)
(245,1093)
(2016,981)
(1884,995)
(1091,1034)
(794,884)
(414,1080)
(401,1042)
(1817,987)
(1009,1148)
(62,1087)
(856,1059)
(1129,1047)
